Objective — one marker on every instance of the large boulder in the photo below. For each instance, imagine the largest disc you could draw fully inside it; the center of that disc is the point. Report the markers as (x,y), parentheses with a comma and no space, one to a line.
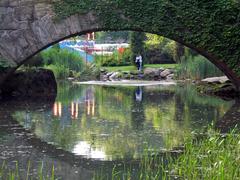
(32,83)
(216,80)
(109,74)
(114,76)
(165,73)
(151,72)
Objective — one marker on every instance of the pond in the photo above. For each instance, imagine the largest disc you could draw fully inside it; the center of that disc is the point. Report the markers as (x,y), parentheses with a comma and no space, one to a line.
(93,127)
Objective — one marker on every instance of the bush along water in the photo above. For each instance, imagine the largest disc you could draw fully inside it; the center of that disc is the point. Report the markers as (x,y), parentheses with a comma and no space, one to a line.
(115,59)
(64,63)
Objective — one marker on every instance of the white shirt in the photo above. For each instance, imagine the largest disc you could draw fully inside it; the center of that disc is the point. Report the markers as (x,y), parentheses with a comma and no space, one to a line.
(139,59)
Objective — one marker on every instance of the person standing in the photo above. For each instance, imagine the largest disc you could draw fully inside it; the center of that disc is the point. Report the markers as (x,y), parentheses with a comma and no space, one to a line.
(139,62)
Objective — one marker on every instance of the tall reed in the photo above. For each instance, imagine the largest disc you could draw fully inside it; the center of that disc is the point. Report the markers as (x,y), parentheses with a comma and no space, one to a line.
(196,67)
(13,173)
(215,156)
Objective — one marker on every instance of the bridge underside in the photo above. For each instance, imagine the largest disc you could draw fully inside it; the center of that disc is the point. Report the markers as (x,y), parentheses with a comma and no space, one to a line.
(27,27)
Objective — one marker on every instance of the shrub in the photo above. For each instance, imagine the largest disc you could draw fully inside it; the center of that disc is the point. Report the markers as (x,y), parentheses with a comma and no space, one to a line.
(90,72)
(62,62)
(197,67)
(115,59)
(35,61)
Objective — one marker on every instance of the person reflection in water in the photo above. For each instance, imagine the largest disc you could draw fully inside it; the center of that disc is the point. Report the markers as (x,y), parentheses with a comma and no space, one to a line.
(138,94)
(138,116)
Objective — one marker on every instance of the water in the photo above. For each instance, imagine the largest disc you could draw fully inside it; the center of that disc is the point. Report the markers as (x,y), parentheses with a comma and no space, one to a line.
(92,127)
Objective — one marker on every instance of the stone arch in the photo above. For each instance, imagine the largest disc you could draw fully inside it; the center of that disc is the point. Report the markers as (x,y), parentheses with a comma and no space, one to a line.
(27,27)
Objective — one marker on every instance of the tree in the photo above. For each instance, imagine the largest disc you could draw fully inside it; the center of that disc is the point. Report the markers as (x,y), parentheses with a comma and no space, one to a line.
(112,36)
(155,41)
(137,44)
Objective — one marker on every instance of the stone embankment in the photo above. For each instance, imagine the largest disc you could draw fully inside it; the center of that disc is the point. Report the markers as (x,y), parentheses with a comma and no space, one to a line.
(148,74)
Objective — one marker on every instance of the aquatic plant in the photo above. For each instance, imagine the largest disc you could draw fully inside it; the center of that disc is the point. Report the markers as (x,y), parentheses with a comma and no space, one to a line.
(14,173)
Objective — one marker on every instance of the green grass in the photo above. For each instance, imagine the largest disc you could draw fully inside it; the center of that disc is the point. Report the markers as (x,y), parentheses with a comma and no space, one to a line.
(161,65)
(14,174)
(132,68)
(215,156)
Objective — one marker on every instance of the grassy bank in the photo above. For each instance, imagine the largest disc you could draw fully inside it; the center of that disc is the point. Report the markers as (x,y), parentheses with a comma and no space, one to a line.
(131,68)
(213,157)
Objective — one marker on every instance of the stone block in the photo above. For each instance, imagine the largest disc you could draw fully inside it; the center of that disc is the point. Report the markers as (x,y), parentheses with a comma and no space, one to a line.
(4,3)
(24,13)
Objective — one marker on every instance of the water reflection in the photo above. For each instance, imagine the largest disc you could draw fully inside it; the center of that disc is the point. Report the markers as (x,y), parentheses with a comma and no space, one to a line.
(88,150)
(109,123)
(138,94)
(57,109)
(87,102)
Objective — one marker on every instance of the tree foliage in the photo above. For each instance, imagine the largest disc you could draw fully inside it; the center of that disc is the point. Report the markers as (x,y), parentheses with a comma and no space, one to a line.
(109,36)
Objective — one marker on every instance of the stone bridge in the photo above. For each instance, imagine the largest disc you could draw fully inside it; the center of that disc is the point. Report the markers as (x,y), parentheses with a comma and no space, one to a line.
(212,28)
